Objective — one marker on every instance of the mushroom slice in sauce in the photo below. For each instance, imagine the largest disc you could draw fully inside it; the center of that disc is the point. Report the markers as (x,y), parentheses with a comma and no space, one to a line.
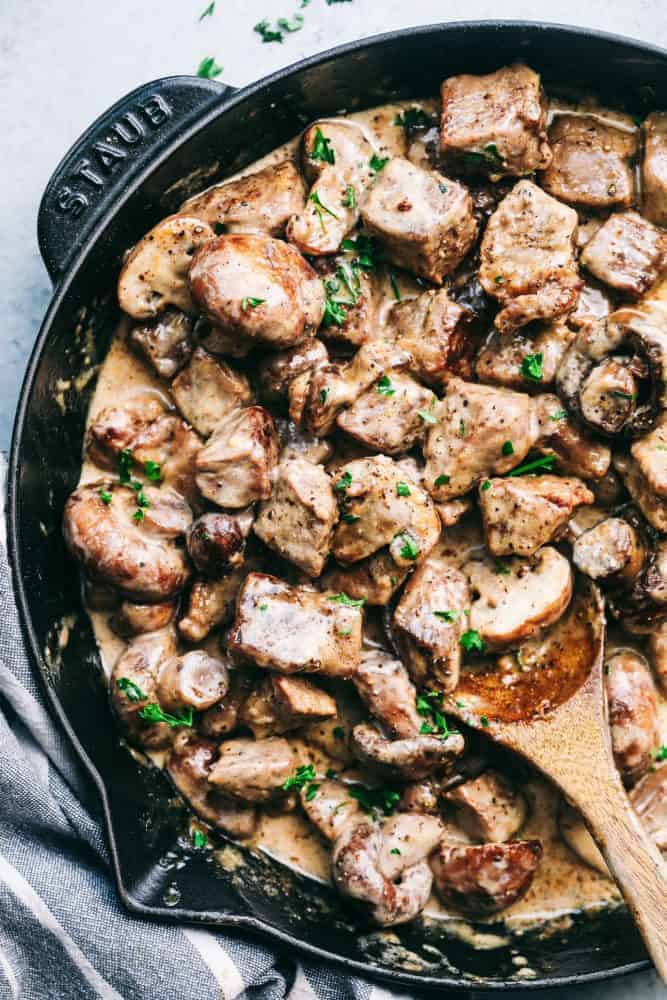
(133,686)
(154,275)
(611,551)
(657,645)
(195,680)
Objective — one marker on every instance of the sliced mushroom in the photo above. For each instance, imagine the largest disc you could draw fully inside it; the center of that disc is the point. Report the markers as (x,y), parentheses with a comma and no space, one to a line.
(331,809)
(215,544)
(652,505)
(657,645)
(519,598)
(633,713)
(644,604)
(115,547)
(136,619)
(194,680)
(482,879)
(259,288)
(611,551)
(154,275)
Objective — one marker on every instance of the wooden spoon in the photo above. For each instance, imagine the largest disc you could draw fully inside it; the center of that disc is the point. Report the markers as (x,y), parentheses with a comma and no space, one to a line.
(552,709)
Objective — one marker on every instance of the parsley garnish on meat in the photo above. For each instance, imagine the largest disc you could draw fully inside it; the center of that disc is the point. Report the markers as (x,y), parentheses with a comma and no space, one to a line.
(105,496)
(303,776)
(490,157)
(394,287)
(320,209)
(559,415)
(125,466)
(485,722)
(373,799)
(208,12)
(435,724)
(543,464)
(501,568)
(409,548)
(250,302)
(412,118)
(208,68)
(507,448)
(350,518)
(153,713)
(384,387)
(153,471)
(367,251)
(343,483)
(335,314)
(442,480)
(349,602)
(349,199)
(623,395)
(660,753)
(322,148)
(199,840)
(447,616)
(131,690)
(486,485)
(338,732)
(427,417)
(402,490)
(323,395)
(395,850)
(472,641)
(531,367)
(378,163)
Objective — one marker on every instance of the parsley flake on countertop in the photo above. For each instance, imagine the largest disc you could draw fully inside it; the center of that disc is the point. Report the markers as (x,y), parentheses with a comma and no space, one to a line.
(208,11)
(208,68)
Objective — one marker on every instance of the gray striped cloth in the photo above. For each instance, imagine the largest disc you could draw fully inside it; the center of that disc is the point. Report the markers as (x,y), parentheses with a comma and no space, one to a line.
(64,934)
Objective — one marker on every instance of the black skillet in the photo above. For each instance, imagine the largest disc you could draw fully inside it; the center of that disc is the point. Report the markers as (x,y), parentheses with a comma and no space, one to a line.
(134,165)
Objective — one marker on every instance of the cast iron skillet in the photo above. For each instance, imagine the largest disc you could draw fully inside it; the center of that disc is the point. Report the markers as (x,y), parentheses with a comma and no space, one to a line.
(134,165)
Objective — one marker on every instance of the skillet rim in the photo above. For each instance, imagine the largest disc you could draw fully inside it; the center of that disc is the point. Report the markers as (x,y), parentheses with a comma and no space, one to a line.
(254,925)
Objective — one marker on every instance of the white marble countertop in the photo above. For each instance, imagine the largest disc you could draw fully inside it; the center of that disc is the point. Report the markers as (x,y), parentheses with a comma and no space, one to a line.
(63,63)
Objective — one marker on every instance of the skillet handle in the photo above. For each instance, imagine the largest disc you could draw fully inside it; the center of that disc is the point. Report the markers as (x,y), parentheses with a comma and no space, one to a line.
(121,143)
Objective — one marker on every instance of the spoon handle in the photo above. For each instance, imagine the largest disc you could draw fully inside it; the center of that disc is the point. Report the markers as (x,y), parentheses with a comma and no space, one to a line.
(633,859)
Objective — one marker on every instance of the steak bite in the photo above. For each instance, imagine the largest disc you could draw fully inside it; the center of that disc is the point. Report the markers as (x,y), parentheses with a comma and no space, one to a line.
(425,220)
(166,343)
(293,630)
(654,168)
(518,599)
(409,759)
(575,452)
(479,430)
(235,467)
(253,770)
(524,513)
(383,506)
(133,686)
(261,202)
(627,253)
(385,687)
(481,879)
(206,390)
(374,580)
(527,258)
(432,329)
(591,163)
(428,623)
(277,370)
(259,288)
(489,808)
(387,417)
(495,122)
(522,361)
(297,521)
(279,704)
(633,714)
(652,505)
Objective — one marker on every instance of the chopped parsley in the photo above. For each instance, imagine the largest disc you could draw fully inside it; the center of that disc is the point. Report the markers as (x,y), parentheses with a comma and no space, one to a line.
(460,704)
(344,632)
(373,799)
(485,722)
(349,602)
(507,448)
(394,850)
(462,428)
(343,483)
(153,713)
(219,228)
(105,496)
(302,776)
(282,27)
(412,118)
(263,607)
(335,314)
(394,287)
(311,791)
(321,209)
(138,514)
(131,690)
(501,568)
(208,68)
(486,485)
(499,279)
(660,753)
(125,466)
(322,148)
(330,773)
(199,840)
(447,616)
(367,251)
(250,302)
(442,480)
(350,518)
(543,464)
(349,197)
(490,157)
(623,395)
(153,471)
(384,386)
(427,417)
(208,11)
(435,724)
(338,732)
(559,415)
(378,163)
(323,395)
(472,641)
(402,490)
(409,548)
(531,367)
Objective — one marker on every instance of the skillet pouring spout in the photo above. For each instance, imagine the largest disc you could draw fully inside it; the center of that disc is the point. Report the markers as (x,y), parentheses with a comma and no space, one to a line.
(553,712)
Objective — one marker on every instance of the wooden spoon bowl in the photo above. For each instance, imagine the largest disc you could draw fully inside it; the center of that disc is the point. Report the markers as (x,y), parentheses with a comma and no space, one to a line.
(552,709)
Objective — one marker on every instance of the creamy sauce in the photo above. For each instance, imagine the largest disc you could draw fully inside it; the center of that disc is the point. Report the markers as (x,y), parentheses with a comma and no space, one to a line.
(563,884)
